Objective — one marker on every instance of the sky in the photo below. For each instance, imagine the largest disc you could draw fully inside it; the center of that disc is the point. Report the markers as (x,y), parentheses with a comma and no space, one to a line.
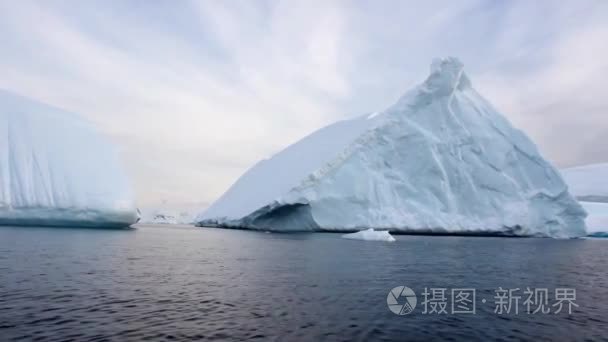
(193,93)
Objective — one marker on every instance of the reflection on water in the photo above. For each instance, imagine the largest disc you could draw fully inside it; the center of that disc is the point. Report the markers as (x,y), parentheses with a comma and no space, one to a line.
(183,283)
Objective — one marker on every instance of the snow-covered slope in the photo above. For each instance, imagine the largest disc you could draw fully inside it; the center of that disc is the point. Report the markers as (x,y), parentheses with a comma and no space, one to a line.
(588,182)
(441,159)
(261,184)
(55,169)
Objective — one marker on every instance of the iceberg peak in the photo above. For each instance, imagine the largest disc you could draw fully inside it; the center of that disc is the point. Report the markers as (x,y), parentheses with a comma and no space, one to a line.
(447,64)
(447,75)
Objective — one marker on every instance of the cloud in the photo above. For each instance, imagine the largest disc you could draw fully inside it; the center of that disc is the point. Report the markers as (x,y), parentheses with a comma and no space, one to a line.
(194,93)
(559,100)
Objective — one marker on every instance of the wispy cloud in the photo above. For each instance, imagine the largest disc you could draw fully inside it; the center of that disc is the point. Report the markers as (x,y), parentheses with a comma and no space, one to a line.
(195,92)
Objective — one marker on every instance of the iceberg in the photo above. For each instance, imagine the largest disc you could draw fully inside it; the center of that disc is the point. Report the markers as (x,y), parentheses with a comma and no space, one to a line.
(440,160)
(57,170)
(589,183)
(370,235)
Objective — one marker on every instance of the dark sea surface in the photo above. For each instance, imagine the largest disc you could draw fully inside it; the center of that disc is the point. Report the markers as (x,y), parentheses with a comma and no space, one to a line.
(185,283)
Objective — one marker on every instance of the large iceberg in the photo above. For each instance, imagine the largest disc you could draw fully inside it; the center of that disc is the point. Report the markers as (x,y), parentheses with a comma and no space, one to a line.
(440,160)
(588,182)
(56,170)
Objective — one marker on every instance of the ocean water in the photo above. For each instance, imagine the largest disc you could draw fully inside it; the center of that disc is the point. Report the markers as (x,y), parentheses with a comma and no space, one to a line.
(183,283)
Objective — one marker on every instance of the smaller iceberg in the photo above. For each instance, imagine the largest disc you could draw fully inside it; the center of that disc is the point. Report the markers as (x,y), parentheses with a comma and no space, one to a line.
(57,169)
(370,235)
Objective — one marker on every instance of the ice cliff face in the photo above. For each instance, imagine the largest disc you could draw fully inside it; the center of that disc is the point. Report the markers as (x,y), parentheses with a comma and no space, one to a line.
(440,160)
(56,170)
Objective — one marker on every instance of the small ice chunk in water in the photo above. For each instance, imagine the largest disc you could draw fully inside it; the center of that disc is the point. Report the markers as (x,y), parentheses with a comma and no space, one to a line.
(370,235)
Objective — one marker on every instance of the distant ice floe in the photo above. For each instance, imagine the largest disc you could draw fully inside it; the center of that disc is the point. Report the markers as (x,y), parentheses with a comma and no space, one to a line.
(588,183)
(165,215)
(597,219)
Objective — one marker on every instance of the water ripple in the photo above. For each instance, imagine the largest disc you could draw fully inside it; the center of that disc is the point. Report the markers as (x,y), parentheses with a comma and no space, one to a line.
(191,284)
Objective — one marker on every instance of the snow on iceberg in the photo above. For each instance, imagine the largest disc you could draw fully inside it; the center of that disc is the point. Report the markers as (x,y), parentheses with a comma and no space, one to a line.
(441,159)
(370,235)
(56,170)
(588,182)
